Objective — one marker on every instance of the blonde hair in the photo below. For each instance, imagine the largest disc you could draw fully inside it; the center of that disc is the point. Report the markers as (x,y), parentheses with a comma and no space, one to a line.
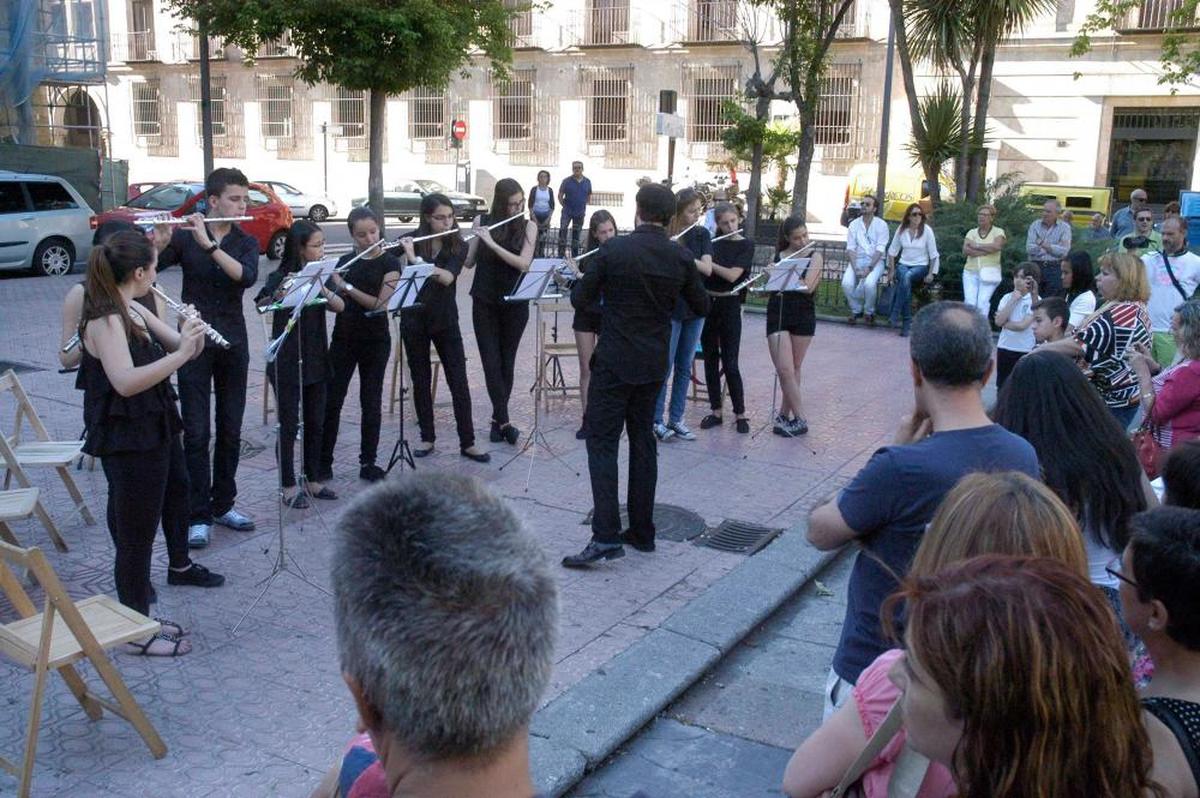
(1132,283)
(1000,513)
(991,209)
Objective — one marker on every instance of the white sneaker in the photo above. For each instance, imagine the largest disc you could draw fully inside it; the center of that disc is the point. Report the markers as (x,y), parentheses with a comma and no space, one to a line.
(662,432)
(198,535)
(681,431)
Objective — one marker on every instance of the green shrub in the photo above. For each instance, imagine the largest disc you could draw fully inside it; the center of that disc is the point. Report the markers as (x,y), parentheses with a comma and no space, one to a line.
(952,221)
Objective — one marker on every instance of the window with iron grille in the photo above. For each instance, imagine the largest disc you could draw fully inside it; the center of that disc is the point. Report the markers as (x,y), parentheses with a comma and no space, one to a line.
(521,24)
(216,105)
(275,99)
(146,119)
(839,98)
(712,21)
(608,199)
(350,113)
(706,89)
(606,93)
(512,106)
(427,114)
(607,22)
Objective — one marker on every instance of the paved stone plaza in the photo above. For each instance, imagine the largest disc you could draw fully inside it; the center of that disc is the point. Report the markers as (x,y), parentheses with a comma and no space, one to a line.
(262,710)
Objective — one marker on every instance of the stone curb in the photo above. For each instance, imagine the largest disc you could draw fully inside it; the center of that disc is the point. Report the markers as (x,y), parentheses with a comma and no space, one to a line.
(577,731)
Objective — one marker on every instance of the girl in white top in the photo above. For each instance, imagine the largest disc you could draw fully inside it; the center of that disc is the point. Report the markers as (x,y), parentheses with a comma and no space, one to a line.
(981,270)
(1079,281)
(1014,317)
(916,249)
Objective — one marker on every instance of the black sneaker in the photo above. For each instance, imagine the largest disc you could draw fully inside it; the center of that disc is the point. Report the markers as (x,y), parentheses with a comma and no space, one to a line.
(743,426)
(511,434)
(371,473)
(593,553)
(710,421)
(495,435)
(196,576)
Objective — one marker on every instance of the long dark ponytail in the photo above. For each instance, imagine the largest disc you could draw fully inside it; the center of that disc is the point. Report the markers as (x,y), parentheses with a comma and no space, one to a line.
(110,265)
(512,234)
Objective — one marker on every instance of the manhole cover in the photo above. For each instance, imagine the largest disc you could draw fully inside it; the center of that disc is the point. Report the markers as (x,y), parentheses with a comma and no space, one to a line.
(738,537)
(670,522)
(19,368)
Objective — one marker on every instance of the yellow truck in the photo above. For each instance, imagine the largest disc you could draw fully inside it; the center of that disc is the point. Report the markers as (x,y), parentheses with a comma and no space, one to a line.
(1082,201)
(902,188)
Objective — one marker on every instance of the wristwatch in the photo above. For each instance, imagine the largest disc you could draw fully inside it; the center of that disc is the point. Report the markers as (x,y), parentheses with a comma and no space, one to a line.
(212,249)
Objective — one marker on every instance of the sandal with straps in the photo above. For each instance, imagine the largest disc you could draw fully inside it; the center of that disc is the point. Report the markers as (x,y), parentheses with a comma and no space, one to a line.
(173,629)
(143,649)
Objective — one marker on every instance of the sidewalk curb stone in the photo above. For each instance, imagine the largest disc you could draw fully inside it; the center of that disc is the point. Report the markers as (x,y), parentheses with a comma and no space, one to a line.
(578,730)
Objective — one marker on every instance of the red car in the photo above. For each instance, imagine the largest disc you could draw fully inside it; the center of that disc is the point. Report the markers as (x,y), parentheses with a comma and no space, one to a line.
(271,216)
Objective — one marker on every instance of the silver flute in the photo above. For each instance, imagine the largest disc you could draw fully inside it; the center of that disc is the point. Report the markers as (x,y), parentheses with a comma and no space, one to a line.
(71,343)
(182,310)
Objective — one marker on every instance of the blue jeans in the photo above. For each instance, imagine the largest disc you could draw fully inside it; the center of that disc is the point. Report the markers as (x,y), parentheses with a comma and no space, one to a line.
(906,276)
(684,337)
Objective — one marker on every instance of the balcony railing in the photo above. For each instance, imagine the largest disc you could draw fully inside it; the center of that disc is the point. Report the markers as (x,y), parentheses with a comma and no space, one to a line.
(186,47)
(140,46)
(605,22)
(712,21)
(1156,15)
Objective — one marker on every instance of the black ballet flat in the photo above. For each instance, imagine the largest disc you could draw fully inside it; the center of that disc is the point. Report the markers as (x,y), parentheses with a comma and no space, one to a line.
(478,457)
(495,435)
(423,452)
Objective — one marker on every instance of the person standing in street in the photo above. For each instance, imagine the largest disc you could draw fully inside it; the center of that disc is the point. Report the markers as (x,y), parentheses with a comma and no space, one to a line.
(1123,220)
(219,262)
(639,277)
(1174,274)
(541,208)
(866,244)
(574,194)
(1047,243)
(981,269)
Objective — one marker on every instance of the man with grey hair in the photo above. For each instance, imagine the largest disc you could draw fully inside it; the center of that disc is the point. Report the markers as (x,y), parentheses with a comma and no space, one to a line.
(887,505)
(1047,243)
(446,613)
(1123,220)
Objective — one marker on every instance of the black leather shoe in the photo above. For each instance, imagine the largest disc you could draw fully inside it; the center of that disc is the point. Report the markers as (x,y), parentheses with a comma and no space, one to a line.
(628,539)
(197,576)
(371,473)
(478,457)
(495,435)
(419,452)
(593,553)
(710,421)
(511,434)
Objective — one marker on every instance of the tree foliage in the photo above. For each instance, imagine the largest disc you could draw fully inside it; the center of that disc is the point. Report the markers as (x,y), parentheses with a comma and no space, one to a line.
(941,135)
(1180,54)
(383,46)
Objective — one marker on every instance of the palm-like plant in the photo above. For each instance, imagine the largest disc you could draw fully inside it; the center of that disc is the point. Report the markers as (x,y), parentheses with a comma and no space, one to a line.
(941,134)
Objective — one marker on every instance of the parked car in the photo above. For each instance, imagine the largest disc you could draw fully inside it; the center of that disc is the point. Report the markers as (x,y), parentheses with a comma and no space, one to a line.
(317,207)
(404,200)
(44,224)
(270,222)
(140,188)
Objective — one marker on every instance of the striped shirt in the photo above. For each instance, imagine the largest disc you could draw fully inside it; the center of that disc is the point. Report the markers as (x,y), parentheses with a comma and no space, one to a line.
(1117,329)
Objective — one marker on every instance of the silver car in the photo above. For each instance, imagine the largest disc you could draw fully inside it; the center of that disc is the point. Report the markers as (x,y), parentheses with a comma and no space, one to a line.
(44,224)
(317,207)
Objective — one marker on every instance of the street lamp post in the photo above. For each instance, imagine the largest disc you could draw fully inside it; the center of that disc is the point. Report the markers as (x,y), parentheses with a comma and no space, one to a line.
(325,153)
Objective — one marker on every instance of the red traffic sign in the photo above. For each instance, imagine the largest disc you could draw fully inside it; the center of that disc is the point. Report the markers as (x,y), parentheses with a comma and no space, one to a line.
(458,129)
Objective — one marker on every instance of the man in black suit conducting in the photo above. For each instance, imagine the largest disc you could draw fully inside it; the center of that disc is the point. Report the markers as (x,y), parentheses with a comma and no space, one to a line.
(639,277)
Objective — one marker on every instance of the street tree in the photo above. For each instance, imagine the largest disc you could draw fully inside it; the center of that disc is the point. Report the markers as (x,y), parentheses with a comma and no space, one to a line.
(382,47)
(809,29)
(1179,60)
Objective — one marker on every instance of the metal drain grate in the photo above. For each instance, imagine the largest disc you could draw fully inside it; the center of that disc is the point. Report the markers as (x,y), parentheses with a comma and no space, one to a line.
(19,368)
(670,522)
(738,537)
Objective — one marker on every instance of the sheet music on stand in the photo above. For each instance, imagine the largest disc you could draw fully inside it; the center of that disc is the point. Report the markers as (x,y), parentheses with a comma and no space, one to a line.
(412,280)
(533,283)
(307,283)
(786,275)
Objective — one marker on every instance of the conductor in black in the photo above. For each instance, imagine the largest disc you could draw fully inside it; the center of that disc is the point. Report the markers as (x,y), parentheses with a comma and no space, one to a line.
(638,277)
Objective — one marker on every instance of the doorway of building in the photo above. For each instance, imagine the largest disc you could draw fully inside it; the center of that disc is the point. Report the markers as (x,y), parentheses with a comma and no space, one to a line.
(1153,148)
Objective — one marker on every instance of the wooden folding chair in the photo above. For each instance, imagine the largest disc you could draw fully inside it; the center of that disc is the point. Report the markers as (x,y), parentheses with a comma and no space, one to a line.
(62,634)
(16,505)
(266,328)
(550,376)
(19,455)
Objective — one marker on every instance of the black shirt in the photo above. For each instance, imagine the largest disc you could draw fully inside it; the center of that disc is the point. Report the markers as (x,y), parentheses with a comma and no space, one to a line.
(495,279)
(697,241)
(309,331)
(437,306)
(732,254)
(367,276)
(215,294)
(639,276)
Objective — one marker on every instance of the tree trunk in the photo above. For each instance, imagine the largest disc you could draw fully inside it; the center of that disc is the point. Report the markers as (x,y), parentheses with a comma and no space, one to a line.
(762,110)
(378,113)
(962,162)
(808,146)
(906,67)
(975,171)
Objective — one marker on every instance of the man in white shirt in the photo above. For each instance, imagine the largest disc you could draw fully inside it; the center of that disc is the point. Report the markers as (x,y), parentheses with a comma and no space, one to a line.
(1174,275)
(866,242)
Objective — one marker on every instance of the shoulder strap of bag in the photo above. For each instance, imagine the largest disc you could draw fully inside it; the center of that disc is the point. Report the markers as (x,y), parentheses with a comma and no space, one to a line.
(879,740)
(1171,274)
(1164,713)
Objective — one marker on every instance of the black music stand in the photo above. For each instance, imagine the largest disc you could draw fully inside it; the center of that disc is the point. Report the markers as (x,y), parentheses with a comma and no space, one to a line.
(412,280)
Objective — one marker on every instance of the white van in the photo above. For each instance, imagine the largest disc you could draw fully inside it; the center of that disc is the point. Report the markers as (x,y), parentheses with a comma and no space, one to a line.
(44,224)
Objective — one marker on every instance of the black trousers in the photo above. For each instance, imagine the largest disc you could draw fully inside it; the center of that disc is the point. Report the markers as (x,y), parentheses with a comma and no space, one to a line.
(220,373)
(449,344)
(371,359)
(721,341)
(144,488)
(1006,361)
(498,331)
(576,224)
(613,405)
(287,399)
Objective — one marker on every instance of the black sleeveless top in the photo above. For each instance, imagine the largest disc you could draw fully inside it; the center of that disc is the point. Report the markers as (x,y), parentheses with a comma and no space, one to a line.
(494,278)
(138,423)
(791,306)
(1183,719)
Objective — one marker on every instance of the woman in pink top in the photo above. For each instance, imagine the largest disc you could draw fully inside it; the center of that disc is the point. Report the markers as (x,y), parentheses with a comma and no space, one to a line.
(1171,399)
(1004,513)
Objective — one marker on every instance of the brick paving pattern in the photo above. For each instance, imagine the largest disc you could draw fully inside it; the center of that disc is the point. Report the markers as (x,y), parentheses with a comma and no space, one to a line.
(263,711)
